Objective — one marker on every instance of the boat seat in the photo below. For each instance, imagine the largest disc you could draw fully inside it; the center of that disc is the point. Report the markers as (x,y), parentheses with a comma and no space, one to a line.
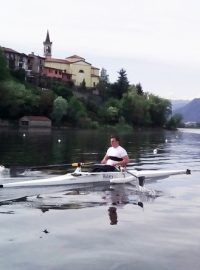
(103,168)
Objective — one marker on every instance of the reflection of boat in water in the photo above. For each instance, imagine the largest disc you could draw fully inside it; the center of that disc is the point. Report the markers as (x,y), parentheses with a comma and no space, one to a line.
(79,197)
(120,195)
(114,197)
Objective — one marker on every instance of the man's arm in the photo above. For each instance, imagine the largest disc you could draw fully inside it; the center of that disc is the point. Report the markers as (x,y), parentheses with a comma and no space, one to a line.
(104,160)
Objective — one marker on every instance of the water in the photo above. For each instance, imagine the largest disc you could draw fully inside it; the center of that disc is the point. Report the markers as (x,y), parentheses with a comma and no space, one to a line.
(101,226)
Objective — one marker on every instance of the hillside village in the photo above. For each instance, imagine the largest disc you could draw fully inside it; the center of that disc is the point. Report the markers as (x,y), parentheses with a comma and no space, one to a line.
(71,69)
(44,91)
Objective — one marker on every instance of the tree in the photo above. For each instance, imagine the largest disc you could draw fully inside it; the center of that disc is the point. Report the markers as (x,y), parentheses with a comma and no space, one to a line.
(4,72)
(139,90)
(135,109)
(76,111)
(159,109)
(103,85)
(122,85)
(174,121)
(60,106)
(46,102)
(110,111)
(62,89)
(104,78)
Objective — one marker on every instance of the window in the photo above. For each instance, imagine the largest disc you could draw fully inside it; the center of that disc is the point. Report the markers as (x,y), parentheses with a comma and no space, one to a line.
(81,71)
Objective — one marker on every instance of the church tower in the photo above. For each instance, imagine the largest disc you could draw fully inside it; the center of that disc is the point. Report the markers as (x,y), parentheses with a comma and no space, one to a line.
(47,46)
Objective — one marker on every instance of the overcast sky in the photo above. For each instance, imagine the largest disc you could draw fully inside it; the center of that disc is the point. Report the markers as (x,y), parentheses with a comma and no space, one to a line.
(157,42)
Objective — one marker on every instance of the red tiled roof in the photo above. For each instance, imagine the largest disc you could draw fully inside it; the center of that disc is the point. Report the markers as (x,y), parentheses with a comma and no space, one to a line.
(34,55)
(36,118)
(75,56)
(95,68)
(9,50)
(55,60)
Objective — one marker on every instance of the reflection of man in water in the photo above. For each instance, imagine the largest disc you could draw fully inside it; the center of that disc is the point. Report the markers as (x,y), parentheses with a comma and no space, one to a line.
(113,215)
(118,196)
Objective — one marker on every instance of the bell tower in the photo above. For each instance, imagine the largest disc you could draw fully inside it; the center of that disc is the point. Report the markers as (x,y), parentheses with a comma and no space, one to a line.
(47,46)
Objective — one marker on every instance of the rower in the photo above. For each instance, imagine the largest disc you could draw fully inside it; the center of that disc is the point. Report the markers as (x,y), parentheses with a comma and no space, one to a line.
(116,155)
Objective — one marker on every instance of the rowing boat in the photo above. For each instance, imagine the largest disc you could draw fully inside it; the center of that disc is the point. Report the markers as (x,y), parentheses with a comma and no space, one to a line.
(79,177)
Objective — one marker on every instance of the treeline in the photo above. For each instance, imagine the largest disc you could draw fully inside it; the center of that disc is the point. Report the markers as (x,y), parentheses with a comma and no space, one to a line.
(116,103)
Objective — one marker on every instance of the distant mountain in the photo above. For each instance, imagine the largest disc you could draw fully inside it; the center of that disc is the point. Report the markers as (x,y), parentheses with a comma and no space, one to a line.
(191,111)
(176,104)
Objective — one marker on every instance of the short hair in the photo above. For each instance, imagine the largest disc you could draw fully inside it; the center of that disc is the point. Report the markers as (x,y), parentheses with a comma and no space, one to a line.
(116,137)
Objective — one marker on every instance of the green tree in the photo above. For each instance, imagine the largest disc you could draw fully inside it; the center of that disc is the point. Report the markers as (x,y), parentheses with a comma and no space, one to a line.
(139,89)
(104,76)
(60,106)
(76,111)
(103,85)
(120,87)
(159,109)
(62,89)
(174,121)
(110,111)
(46,102)
(4,72)
(19,74)
(135,109)
(17,100)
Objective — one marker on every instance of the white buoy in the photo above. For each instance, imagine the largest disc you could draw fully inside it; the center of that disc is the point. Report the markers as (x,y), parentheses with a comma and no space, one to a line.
(155,151)
(59,140)
(166,140)
(1,168)
(24,135)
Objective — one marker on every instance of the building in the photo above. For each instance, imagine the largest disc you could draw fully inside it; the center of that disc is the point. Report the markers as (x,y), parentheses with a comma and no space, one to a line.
(32,64)
(15,60)
(74,68)
(35,67)
(35,122)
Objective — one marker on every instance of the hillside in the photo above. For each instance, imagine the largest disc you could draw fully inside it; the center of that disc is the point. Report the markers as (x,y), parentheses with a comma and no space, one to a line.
(178,103)
(191,111)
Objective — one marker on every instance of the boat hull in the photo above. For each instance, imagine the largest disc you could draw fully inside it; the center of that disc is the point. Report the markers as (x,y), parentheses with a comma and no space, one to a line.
(86,177)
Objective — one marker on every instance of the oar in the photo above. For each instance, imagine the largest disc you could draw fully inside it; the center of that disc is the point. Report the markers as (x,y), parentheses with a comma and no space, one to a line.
(20,169)
(141,179)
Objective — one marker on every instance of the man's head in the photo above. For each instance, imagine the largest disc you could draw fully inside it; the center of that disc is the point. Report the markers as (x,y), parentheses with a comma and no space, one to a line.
(114,140)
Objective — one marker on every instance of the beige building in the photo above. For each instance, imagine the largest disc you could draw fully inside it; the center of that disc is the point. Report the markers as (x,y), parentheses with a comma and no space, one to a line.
(73,68)
(78,69)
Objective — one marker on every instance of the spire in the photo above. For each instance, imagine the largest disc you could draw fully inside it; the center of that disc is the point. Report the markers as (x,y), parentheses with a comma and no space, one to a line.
(47,46)
(47,37)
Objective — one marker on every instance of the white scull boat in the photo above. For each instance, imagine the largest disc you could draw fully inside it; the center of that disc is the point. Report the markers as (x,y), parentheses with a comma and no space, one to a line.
(79,177)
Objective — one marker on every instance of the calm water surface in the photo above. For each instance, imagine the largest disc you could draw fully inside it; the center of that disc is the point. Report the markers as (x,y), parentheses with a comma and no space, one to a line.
(101,226)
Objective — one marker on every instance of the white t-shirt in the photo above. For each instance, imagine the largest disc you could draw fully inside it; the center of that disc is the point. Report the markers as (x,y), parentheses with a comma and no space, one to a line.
(118,151)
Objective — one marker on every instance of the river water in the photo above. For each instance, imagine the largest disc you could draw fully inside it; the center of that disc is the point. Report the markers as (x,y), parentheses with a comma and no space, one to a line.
(100,226)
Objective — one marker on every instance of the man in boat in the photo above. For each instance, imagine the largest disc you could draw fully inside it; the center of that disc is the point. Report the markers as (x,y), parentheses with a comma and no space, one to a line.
(115,155)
